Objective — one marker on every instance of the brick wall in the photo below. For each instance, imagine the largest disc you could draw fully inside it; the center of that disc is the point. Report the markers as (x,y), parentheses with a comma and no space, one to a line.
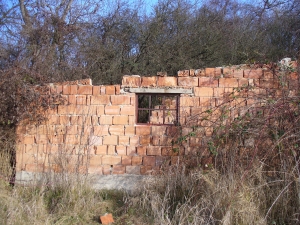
(94,130)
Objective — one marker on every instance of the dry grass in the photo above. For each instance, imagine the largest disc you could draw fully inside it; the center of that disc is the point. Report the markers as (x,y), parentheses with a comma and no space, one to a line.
(57,199)
(198,197)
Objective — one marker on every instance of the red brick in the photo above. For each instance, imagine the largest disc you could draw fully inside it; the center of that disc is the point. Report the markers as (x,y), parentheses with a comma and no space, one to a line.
(96,90)
(208,82)
(100,100)
(203,91)
(118,89)
(110,140)
(94,120)
(268,74)
(146,170)
(95,140)
(112,110)
(118,169)
(228,72)
(64,120)
(95,161)
(228,82)
(136,160)
(34,167)
(102,90)
(120,120)
(129,130)
(100,150)
(95,170)
(56,89)
(105,120)
(218,92)
(110,90)
(210,72)
(132,100)
(218,71)
(64,109)
(85,90)
(131,81)
(141,150)
(169,151)
(107,219)
(53,120)
(134,141)
(111,150)
(243,82)
(101,130)
(30,148)
(99,109)
(160,160)
(167,81)
(268,83)
(72,139)
(149,161)
(145,140)
(133,170)
(126,160)
(189,101)
(73,89)
(111,160)
(142,130)
(71,129)
(116,130)
(120,100)
(106,169)
(121,149)
(155,140)
(123,140)
(293,76)
(30,129)
(158,130)
(153,150)
(166,140)
(30,139)
(192,72)
(128,110)
(183,73)
(81,100)
(66,89)
(130,150)
(253,73)
(188,81)
(131,120)
(149,81)
(237,72)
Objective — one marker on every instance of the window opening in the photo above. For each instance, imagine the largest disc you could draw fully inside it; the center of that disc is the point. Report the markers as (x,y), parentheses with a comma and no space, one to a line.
(157,108)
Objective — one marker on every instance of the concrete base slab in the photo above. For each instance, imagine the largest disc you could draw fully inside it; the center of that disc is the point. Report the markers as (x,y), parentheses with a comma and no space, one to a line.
(125,182)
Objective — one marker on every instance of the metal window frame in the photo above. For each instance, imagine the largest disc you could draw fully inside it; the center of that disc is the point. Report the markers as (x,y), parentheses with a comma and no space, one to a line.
(150,109)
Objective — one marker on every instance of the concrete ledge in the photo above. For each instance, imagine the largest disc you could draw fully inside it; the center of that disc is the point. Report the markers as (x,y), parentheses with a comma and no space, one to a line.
(125,182)
(160,90)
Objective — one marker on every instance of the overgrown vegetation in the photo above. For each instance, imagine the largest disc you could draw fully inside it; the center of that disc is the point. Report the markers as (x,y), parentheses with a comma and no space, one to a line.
(254,175)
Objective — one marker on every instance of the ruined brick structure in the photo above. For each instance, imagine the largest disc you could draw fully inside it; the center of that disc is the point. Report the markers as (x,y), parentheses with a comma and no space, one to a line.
(97,130)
